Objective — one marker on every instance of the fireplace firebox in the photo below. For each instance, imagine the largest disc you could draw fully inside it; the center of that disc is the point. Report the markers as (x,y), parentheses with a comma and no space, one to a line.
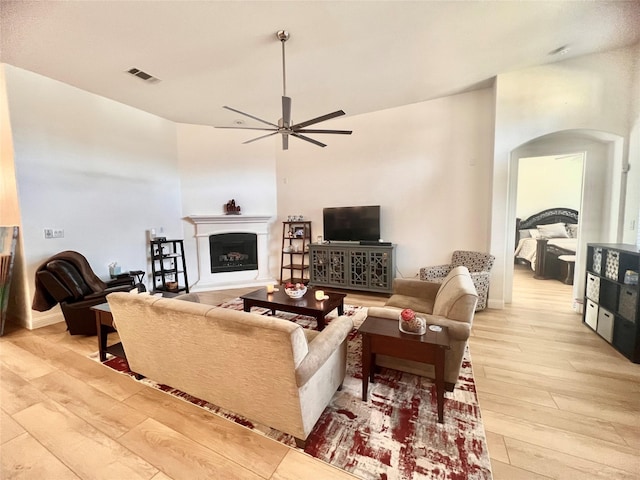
(233,252)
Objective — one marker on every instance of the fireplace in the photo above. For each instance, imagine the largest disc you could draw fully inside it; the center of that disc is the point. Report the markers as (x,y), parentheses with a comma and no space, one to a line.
(232,274)
(233,252)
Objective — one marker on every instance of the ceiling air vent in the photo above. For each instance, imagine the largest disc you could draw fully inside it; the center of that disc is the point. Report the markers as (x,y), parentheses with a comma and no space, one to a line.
(136,72)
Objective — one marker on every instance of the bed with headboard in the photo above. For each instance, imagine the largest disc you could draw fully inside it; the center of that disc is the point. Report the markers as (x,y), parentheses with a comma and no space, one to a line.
(544,237)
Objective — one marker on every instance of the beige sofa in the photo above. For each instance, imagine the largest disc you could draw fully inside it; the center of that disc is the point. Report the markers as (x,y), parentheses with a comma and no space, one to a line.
(266,369)
(451,304)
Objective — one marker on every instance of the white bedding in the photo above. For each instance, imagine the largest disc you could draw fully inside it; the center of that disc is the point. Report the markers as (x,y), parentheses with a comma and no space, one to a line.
(527,248)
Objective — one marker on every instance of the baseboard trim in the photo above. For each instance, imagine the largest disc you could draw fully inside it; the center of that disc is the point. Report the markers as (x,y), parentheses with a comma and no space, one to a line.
(46,320)
(497,304)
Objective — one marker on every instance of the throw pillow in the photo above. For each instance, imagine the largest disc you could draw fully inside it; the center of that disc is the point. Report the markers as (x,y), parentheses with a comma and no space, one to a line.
(554,230)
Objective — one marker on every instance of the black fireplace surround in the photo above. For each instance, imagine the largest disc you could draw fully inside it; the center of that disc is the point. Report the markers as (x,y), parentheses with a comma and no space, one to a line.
(233,252)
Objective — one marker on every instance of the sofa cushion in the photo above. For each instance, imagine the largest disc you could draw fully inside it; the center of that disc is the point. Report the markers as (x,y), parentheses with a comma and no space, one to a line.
(457,297)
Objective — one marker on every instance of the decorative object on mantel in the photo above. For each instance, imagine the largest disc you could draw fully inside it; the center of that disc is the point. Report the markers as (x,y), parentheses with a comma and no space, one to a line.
(231,208)
(284,126)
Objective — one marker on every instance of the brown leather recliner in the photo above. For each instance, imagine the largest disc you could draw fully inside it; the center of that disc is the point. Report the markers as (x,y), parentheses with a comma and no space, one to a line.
(68,279)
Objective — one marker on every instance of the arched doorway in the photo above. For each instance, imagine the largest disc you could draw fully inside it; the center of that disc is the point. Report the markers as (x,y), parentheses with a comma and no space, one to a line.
(601,209)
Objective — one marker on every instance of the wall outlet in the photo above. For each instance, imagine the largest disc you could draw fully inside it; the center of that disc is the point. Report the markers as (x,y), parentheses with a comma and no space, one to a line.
(53,233)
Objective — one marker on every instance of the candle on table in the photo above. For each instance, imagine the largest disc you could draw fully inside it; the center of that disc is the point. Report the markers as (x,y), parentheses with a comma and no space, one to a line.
(270,288)
(319,294)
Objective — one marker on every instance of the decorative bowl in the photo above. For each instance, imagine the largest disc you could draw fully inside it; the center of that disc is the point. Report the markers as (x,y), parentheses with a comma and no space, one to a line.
(414,326)
(296,293)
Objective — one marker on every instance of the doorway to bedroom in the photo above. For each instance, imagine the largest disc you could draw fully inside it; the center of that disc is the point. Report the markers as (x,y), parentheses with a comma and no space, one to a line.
(549,192)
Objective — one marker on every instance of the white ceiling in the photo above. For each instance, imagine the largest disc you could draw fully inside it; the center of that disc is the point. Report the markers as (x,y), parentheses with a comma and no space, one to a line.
(358,56)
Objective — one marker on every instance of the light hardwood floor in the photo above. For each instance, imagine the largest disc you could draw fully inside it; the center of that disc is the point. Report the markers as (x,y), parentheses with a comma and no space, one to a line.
(556,400)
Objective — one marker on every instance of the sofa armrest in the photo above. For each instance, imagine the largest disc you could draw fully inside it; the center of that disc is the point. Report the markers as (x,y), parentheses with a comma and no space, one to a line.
(322,347)
(411,287)
(458,331)
(435,272)
(107,291)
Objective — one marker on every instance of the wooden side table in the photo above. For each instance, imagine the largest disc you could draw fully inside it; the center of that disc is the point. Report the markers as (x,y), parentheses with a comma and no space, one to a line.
(104,322)
(382,336)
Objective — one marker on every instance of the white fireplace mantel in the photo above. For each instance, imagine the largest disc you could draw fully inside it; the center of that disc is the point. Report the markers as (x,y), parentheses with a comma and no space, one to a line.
(230,219)
(207,225)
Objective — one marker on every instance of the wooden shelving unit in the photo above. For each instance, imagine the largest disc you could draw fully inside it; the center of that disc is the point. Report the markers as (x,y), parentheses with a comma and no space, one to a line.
(294,263)
(168,266)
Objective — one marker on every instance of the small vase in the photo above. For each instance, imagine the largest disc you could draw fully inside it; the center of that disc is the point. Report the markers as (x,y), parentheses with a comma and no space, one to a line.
(416,326)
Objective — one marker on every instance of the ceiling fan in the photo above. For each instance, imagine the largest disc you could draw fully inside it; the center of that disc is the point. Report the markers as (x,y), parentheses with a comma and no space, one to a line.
(284,126)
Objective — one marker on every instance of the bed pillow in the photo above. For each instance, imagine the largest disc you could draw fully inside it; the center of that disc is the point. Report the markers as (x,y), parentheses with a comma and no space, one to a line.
(553,230)
(529,233)
(572,228)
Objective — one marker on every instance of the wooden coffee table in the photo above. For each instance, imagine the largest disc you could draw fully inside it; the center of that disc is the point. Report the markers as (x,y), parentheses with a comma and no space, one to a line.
(382,335)
(307,305)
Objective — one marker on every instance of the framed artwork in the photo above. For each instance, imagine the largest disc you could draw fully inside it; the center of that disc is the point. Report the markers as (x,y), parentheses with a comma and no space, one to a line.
(8,237)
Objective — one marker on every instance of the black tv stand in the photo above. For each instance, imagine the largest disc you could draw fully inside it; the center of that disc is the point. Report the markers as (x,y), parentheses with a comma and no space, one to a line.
(373,243)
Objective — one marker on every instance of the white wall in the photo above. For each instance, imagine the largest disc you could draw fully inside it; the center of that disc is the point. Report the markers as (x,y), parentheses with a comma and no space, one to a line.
(631,229)
(589,92)
(102,171)
(216,167)
(548,182)
(427,165)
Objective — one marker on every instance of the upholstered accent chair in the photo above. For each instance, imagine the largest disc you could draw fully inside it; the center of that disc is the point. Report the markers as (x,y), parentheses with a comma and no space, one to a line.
(67,278)
(449,304)
(479,265)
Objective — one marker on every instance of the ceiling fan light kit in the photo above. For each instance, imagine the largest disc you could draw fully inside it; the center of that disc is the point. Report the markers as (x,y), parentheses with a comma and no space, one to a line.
(284,127)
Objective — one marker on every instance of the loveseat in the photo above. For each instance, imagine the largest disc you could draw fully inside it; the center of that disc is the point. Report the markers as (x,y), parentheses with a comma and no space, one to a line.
(449,304)
(266,369)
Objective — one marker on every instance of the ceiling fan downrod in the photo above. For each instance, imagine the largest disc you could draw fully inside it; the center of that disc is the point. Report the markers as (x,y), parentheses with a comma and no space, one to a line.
(283,36)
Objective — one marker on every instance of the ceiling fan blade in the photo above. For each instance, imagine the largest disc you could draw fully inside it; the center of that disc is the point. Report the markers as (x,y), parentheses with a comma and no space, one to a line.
(311,140)
(250,116)
(250,128)
(258,138)
(312,130)
(328,116)
(285,141)
(286,111)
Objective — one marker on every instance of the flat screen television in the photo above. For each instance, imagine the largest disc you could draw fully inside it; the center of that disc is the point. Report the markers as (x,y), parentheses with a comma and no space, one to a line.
(351,224)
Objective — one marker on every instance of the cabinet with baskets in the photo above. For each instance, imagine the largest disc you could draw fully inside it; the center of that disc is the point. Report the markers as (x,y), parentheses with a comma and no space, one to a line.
(611,305)
(294,263)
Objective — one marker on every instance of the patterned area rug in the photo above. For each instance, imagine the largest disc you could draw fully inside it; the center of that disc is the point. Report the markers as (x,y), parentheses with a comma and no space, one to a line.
(393,436)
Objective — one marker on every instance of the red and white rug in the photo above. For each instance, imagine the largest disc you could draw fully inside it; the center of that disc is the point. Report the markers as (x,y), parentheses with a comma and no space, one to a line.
(393,436)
